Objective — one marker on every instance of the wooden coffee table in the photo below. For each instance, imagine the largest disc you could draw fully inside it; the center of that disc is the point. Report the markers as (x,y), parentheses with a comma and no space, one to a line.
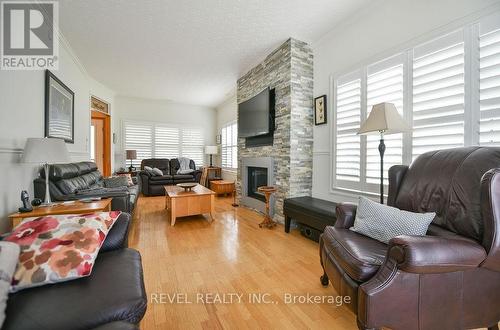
(222,187)
(73,207)
(181,203)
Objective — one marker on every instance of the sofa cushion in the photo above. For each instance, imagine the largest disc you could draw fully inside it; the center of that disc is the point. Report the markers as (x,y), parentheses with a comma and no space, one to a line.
(161,178)
(114,292)
(85,167)
(183,177)
(161,163)
(359,256)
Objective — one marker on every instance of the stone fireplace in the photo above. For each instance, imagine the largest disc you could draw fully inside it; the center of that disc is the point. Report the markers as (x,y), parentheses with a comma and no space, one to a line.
(289,71)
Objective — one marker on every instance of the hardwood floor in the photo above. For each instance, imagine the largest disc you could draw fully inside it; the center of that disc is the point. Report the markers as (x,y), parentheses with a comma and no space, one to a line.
(230,256)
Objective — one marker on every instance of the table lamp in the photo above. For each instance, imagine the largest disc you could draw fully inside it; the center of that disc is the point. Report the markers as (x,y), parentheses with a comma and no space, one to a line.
(45,151)
(383,119)
(211,150)
(131,154)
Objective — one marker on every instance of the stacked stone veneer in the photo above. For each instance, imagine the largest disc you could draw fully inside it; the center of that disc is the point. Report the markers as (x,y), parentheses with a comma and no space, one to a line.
(289,70)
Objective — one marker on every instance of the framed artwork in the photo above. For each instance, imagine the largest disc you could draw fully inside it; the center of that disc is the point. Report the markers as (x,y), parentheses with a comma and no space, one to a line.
(59,109)
(320,110)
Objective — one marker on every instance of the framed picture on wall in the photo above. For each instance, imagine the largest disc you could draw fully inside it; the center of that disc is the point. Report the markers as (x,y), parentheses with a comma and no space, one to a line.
(320,110)
(59,109)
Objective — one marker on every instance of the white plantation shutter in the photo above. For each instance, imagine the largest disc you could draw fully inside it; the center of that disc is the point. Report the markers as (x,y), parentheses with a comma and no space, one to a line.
(193,144)
(139,137)
(385,83)
(489,83)
(229,146)
(153,140)
(167,142)
(348,119)
(438,94)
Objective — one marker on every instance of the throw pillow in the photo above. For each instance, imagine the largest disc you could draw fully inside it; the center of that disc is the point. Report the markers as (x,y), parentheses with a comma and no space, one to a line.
(115,181)
(9,254)
(130,182)
(58,248)
(382,222)
(185,171)
(157,171)
(149,170)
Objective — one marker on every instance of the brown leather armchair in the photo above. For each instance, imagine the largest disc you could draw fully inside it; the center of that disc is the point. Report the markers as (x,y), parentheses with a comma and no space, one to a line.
(448,279)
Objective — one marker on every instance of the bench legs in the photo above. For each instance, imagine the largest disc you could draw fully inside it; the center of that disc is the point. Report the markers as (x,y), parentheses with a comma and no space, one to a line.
(288,220)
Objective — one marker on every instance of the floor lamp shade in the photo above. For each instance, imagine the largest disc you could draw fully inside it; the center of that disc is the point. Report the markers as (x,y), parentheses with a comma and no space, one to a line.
(383,119)
(45,151)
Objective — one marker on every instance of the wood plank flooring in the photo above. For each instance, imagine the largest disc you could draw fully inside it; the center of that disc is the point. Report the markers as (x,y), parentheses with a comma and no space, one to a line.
(230,256)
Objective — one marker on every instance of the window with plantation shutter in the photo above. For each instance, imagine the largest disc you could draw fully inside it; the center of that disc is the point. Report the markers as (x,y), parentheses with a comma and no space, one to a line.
(348,120)
(167,142)
(229,147)
(152,140)
(489,83)
(385,83)
(438,94)
(193,144)
(139,137)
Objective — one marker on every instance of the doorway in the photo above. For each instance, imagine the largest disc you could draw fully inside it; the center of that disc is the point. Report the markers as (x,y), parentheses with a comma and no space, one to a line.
(100,141)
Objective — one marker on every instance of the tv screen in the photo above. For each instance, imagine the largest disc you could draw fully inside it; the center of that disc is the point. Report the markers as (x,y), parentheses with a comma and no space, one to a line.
(253,115)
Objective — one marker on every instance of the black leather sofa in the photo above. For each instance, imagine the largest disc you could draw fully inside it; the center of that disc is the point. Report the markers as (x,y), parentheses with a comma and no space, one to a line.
(153,185)
(112,297)
(80,180)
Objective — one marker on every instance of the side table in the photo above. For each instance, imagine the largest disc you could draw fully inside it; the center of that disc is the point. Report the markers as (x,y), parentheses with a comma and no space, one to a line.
(73,207)
(267,191)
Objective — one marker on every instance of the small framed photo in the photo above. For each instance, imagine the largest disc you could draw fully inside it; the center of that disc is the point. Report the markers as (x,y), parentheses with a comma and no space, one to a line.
(320,110)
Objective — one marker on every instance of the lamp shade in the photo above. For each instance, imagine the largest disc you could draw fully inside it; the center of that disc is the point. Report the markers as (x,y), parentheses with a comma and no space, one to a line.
(131,154)
(384,118)
(211,150)
(45,151)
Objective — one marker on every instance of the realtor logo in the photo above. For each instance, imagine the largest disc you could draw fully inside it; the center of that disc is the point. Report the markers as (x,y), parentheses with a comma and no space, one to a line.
(28,38)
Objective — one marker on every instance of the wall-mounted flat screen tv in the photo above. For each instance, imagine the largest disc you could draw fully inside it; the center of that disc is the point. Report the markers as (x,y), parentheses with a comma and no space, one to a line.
(255,115)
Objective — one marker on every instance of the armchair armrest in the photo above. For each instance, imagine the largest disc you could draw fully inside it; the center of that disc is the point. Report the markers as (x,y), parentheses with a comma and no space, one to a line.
(433,254)
(346,213)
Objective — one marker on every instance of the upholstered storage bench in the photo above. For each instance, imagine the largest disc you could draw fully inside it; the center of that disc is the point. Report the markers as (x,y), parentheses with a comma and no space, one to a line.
(312,212)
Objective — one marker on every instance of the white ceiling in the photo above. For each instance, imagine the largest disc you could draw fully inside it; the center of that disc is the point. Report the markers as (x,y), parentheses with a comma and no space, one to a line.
(189,51)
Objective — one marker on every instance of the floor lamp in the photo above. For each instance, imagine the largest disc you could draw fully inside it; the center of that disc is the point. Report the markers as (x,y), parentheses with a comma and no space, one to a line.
(384,119)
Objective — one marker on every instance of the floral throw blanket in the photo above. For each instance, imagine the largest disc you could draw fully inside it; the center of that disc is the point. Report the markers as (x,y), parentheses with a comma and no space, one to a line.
(58,248)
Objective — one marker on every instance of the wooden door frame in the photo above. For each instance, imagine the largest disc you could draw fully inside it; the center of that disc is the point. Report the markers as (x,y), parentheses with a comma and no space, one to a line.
(107,140)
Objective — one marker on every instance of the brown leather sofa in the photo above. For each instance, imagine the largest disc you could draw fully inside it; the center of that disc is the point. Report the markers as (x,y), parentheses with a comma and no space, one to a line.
(448,279)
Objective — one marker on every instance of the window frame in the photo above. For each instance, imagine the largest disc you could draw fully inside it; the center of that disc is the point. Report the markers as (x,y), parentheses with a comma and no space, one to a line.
(154,145)
(471,34)
(233,123)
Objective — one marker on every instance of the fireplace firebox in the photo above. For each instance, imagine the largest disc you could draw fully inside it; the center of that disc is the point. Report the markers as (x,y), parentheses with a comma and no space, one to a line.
(257,177)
